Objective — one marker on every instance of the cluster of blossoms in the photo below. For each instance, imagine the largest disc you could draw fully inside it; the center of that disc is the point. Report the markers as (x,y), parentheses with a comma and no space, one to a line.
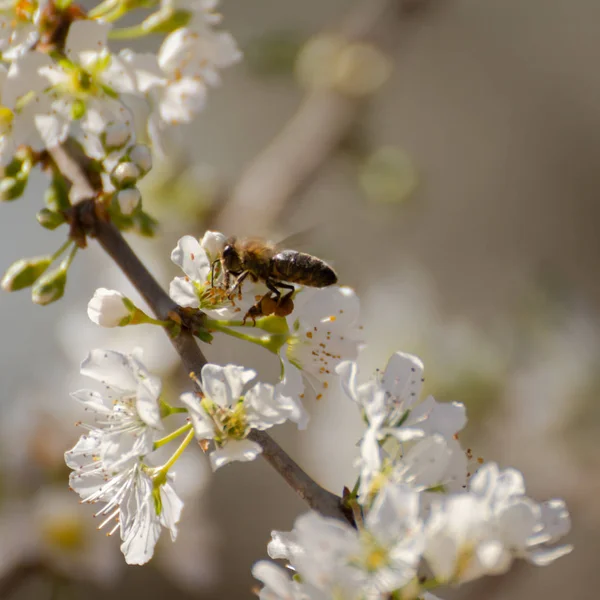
(420,520)
(60,78)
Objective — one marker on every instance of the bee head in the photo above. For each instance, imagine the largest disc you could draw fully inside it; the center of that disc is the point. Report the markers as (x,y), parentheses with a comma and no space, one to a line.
(231,259)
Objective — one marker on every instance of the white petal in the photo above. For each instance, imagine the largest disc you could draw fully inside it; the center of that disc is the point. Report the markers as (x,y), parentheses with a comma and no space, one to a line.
(182,291)
(191,258)
(85,36)
(224,385)
(106,308)
(92,400)
(182,100)
(172,506)
(203,424)
(402,377)
(146,401)
(110,368)
(213,243)
(234,450)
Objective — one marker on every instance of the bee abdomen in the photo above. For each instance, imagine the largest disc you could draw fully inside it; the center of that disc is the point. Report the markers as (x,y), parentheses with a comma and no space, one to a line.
(298,267)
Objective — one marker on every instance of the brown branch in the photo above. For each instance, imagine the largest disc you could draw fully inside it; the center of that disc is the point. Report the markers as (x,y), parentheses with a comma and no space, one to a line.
(185,344)
(302,147)
(21,573)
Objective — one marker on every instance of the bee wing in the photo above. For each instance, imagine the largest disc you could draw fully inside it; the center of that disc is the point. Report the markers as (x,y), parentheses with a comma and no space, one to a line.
(308,240)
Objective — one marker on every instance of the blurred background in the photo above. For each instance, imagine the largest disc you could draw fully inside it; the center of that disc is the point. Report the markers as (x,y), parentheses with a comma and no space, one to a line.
(443,156)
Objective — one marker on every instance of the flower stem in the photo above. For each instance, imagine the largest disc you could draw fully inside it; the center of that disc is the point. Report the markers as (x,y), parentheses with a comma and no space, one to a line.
(216,325)
(128,33)
(174,435)
(61,249)
(188,438)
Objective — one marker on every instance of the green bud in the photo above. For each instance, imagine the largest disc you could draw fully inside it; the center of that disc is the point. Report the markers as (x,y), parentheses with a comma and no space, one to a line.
(24,272)
(12,188)
(62,5)
(145,224)
(50,287)
(56,195)
(49,219)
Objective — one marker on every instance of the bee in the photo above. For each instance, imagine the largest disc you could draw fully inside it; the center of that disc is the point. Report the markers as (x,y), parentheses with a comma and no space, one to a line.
(277,268)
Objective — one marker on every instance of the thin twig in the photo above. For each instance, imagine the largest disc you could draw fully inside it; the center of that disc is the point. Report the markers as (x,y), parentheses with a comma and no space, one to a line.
(111,240)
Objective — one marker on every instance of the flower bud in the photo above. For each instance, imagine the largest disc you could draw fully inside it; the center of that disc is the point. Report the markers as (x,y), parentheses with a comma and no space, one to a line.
(128,200)
(141,156)
(50,286)
(109,308)
(12,188)
(24,272)
(115,136)
(56,195)
(125,174)
(49,219)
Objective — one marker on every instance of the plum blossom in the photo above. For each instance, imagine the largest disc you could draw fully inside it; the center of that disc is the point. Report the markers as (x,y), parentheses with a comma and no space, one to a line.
(135,503)
(335,560)
(391,406)
(127,414)
(197,289)
(481,532)
(229,408)
(107,308)
(85,89)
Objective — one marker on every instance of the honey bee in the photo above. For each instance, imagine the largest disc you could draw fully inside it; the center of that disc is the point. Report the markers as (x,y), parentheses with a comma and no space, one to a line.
(277,268)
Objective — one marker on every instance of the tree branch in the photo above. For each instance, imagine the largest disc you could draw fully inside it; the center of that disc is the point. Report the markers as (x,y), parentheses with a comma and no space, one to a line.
(302,147)
(111,240)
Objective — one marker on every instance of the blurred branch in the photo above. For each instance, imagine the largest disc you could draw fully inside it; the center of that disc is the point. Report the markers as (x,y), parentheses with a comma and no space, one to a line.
(111,240)
(323,120)
(19,574)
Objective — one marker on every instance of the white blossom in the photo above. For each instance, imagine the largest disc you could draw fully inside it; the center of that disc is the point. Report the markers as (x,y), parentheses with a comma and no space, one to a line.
(480,532)
(339,561)
(229,408)
(197,289)
(83,89)
(138,505)
(107,308)
(126,414)
(391,405)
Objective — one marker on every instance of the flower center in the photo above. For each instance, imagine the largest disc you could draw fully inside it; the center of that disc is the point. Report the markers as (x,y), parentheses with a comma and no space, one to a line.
(235,422)
(375,555)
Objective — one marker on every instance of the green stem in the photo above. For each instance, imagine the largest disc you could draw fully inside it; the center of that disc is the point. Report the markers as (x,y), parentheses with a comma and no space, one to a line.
(188,438)
(238,334)
(103,9)
(67,261)
(61,249)
(128,33)
(174,435)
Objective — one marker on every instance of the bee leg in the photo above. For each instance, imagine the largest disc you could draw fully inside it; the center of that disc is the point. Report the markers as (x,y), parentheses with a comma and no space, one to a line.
(285,286)
(238,282)
(253,312)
